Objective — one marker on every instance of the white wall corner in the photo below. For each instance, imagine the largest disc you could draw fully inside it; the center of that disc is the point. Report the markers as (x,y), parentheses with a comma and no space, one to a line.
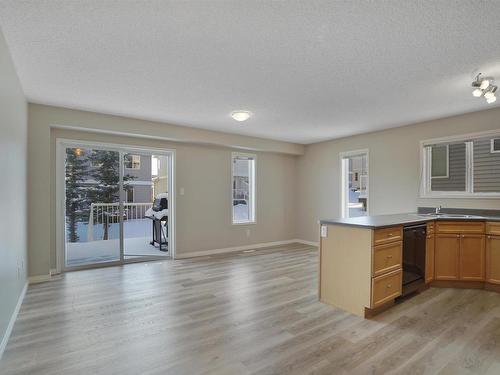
(39,279)
(310,243)
(12,320)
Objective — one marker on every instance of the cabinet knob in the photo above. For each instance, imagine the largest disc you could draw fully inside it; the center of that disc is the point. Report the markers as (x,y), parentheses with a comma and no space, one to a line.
(389,285)
(390,234)
(389,256)
(489,237)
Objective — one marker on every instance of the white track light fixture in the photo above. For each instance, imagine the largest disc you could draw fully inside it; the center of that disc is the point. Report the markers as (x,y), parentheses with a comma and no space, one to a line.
(484,87)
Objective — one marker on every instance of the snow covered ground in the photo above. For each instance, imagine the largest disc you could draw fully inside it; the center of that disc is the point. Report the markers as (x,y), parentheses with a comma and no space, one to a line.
(131,229)
(355,207)
(240,212)
(137,235)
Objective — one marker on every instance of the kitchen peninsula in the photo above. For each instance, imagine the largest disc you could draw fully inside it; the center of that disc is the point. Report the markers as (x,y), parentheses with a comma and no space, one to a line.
(366,261)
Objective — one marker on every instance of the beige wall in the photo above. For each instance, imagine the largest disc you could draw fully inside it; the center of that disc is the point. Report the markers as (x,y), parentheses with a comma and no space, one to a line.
(204,171)
(294,192)
(394,170)
(13,171)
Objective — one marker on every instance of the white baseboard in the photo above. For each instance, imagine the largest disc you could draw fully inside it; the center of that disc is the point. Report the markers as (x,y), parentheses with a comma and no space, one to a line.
(310,243)
(233,249)
(39,279)
(12,320)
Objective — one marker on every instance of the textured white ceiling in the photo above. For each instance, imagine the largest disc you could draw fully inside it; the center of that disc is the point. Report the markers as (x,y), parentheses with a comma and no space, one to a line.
(308,70)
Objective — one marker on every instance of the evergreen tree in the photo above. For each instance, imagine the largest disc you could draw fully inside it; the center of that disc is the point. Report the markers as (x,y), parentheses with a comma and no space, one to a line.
(106,173)
(76,193)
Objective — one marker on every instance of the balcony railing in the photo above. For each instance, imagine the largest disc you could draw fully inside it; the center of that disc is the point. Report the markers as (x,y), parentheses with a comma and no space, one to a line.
(109,213)
(240,196)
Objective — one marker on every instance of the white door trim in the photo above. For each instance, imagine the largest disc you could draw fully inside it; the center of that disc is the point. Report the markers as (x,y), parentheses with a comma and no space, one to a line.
(61,145)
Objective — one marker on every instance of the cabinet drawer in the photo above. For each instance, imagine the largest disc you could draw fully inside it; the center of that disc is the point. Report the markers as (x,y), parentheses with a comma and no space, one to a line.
(386,287)
(459,227)
(493,227)
(386,258)
(386,235)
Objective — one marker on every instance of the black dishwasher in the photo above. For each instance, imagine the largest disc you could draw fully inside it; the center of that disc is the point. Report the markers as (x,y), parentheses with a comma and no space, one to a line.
(413,257)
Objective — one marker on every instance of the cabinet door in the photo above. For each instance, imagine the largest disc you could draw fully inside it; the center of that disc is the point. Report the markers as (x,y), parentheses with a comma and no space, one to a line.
(472,257)
(493,259)
(429,258)
(446,256)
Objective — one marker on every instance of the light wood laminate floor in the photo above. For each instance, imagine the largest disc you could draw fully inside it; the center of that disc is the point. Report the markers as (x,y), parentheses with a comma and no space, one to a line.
(242,313)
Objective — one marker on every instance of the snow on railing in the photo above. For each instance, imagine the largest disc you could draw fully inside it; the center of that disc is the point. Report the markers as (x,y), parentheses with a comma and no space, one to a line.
(109,213)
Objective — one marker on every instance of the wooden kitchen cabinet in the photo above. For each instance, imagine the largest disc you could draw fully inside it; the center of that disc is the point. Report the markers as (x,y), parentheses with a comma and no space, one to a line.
(446,256)
(472,257)
(386,287)
(429,258)
(493,259)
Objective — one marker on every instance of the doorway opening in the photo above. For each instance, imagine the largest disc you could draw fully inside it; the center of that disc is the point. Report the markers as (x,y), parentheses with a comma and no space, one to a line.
(354,183)
(115,204)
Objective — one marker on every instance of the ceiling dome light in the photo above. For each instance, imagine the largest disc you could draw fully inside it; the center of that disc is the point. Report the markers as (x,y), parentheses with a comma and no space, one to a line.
(484,84)
(241,115)
(477,93)
(493,99)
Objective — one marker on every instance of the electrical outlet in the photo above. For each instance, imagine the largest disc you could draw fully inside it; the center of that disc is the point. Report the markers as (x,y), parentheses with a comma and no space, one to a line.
(324,231)
(248,232)
(181,191)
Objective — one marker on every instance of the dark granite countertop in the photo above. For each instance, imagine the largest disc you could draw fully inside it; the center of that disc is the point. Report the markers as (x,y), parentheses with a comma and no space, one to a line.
(381,221)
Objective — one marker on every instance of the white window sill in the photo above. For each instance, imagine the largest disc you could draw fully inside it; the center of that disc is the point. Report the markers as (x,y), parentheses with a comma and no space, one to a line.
(244,222)
(460,195)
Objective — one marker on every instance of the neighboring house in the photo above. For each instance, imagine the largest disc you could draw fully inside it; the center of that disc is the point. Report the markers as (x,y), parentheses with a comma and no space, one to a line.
(240,181)
(159,174)
(141,186)
(357,173)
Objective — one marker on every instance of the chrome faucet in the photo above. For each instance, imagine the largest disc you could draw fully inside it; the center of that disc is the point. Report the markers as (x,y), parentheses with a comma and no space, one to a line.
(438,210)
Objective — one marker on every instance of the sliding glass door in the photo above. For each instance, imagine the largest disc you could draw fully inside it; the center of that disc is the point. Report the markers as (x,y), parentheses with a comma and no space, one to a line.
(92,206)
(145,231)
(109,207)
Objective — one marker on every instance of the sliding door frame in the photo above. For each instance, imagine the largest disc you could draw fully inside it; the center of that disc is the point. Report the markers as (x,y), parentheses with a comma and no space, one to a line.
(60,208)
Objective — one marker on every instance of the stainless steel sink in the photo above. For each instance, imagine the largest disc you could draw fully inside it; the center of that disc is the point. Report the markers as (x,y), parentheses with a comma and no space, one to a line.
(451,216)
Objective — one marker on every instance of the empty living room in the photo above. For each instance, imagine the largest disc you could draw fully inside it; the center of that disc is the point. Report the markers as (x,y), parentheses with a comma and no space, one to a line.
(249,187)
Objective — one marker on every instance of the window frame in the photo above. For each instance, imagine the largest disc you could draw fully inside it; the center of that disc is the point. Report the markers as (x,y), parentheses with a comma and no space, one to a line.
(130,189)
(425,166)
(344,210)
(492,146)
(132,161)
(252,189)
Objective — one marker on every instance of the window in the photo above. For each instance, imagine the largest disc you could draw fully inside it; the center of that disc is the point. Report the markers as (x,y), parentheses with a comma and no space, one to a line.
(243,188)
(132,161)
(469,167)
(495,145)
(129,195)
(440,161)
(354,180)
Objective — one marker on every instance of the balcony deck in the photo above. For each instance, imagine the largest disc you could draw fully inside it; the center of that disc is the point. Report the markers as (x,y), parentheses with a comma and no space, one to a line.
(81,253)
